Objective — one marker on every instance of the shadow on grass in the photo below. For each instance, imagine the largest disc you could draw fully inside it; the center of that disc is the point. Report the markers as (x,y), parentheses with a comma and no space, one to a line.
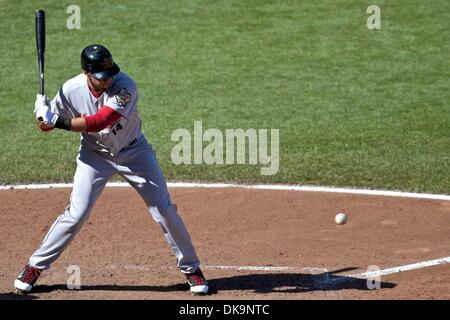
(258,283)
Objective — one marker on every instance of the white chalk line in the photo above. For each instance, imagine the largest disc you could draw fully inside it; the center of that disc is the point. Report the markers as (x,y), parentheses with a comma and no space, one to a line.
(327,277)
(308,270)
(365,275)
(377,274)
(408,267)
(256,186)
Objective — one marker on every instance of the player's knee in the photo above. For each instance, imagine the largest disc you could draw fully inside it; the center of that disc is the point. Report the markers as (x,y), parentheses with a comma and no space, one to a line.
(163,211)
(77,214)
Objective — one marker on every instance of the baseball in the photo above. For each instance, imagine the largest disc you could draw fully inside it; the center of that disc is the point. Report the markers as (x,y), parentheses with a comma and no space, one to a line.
(341,218)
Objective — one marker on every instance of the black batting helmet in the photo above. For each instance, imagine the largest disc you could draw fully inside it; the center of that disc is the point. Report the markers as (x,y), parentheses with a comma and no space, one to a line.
(97,60)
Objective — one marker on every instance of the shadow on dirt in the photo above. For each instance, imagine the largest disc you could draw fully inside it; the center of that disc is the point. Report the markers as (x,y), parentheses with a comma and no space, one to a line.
(258,283)
(15,296)
(135,288)
(296,283)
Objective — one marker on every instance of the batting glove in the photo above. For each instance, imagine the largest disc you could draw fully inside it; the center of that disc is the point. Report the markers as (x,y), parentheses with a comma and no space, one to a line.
(43,111)
(41,101)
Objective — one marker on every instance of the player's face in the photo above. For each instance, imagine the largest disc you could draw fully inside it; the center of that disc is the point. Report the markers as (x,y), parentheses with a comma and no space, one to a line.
(99,85)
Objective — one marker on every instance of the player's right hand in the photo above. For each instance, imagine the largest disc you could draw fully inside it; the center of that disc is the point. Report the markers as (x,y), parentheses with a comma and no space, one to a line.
(43,127)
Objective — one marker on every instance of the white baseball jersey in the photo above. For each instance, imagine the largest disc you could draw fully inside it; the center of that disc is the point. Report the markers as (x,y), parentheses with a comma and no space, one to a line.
(136,163)
(74,99)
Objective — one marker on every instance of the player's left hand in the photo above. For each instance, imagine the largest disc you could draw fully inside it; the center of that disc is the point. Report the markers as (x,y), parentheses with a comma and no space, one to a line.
(43,111)
(44,114)
(41,101)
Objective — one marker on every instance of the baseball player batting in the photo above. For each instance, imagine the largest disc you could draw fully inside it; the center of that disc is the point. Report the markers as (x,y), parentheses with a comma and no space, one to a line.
(101,104)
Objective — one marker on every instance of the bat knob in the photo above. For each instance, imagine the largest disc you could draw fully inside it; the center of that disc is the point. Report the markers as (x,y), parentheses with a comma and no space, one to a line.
(40,13)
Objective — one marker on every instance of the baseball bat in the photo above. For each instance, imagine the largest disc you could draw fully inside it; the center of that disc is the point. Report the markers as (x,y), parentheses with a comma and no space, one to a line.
(40,45)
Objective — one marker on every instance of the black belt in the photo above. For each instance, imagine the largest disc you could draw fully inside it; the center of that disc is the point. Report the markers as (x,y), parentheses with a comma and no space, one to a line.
(133,142)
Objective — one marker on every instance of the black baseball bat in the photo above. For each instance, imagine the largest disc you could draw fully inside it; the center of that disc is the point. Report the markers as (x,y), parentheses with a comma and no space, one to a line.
(40,45)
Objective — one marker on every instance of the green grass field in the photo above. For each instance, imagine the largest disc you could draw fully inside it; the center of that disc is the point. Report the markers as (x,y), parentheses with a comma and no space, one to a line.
(354,107)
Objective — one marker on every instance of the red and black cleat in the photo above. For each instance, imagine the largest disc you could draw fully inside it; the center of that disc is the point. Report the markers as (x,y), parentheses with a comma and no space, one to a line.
(26,279)
(197,282)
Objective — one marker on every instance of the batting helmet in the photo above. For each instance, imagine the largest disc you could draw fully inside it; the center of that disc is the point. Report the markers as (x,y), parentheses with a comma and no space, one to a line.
(97,60)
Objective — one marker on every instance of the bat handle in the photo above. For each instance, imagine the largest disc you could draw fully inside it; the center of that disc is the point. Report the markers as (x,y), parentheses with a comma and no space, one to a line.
(41,75)
(41,84)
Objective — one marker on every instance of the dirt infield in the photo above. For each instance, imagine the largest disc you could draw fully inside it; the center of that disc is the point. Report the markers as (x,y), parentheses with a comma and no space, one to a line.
(122,254)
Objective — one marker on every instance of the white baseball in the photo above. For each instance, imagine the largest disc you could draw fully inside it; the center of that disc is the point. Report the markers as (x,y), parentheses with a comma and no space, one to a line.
(341,218)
